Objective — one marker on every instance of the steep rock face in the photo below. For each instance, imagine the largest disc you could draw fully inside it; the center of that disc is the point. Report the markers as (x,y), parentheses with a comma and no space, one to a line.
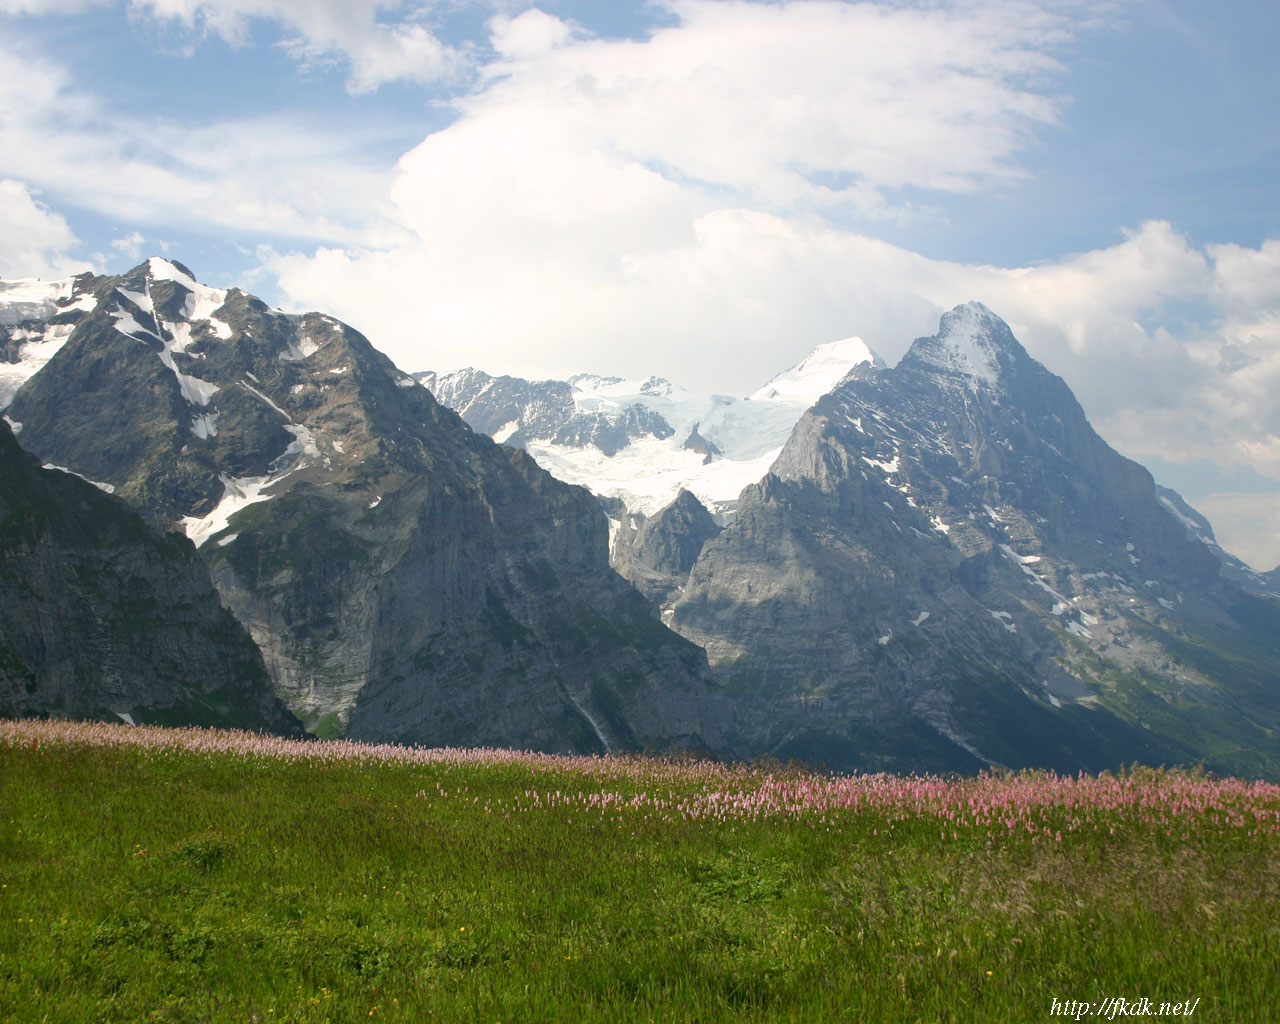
(102,617)
(404,576)
(947,567)
(656,553)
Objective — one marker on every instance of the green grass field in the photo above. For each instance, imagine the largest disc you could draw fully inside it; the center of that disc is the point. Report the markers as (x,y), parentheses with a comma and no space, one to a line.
(153,875)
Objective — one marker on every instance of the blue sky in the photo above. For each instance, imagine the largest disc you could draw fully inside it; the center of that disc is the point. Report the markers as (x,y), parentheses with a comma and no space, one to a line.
(702,189)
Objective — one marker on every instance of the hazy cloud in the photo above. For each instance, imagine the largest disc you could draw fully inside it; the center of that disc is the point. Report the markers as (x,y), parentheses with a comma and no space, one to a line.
(35,240)
(261,175)
(375,51)
(1247,525)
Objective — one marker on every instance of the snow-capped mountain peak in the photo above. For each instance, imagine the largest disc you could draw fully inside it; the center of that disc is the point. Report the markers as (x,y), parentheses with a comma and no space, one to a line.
(642,441)
(818,372)
(970,341)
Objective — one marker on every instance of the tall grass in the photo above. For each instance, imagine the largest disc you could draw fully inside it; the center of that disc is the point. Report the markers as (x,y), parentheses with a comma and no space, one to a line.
(192,875)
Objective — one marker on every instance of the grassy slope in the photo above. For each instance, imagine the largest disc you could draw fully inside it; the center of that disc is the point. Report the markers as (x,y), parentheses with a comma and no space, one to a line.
(141,886)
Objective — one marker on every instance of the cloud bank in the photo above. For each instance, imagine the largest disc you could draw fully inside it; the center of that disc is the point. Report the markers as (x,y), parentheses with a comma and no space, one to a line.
(701,202)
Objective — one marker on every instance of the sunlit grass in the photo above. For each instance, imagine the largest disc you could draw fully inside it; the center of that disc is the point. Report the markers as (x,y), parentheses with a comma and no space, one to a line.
(186,875)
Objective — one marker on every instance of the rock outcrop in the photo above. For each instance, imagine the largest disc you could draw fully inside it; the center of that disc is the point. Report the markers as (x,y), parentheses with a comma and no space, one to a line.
(657,552)
(101,617)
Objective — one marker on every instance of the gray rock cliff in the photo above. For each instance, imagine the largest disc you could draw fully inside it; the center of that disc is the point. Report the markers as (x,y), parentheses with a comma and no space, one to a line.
(101,617)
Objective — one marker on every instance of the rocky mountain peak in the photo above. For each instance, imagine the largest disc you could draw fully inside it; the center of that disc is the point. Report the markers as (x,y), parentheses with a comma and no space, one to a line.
(404,577)
(971,341)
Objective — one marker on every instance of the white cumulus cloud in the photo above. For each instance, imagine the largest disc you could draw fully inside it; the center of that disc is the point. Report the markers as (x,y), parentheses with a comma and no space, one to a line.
(35,240)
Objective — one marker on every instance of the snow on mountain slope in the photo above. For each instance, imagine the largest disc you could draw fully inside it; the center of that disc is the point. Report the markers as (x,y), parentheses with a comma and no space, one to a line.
(36,318)
(641,441)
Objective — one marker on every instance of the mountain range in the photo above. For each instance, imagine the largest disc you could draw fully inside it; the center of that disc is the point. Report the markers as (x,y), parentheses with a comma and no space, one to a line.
(404,577)
(944,567)
(934,566)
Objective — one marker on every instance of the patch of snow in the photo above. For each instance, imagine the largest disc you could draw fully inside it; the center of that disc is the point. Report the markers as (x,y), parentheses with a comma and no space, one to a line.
(889,467)
(140,299)
(1020,559)
(919,618)
(14,425)
(1186,521)
(339,447)
(224,541)
(885,639)
(161,269)
(1004,618)
(339,369)
(302,446)
(939,525)
(648,473)
(297,351)
(505,431)
(86,303)
(108,488)
(194,390)
(1165,604)
(129,327)
(406,382)
(201,302)
(252,390)
(376,502)
(221,329)
(1078,630)
(1010,553)
(125,717)
(237,493)
(205,426)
